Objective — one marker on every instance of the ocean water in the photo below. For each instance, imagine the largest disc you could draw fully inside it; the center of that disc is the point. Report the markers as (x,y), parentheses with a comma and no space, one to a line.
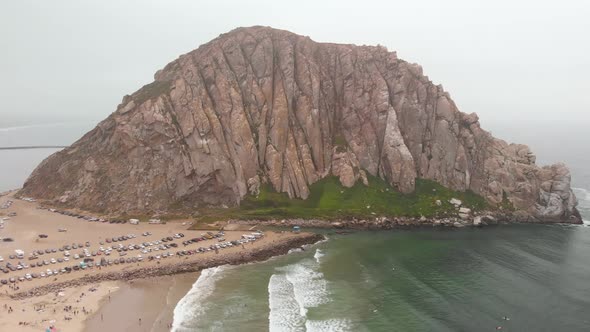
(17,165)
(418,280)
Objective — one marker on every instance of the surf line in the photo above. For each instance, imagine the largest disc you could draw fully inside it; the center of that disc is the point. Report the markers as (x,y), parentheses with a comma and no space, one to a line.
(32,147)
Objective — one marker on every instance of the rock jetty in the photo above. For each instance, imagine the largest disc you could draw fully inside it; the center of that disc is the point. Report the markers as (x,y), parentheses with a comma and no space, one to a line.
(193,265)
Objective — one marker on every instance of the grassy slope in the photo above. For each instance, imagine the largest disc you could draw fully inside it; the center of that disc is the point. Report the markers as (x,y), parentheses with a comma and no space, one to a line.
(330,200)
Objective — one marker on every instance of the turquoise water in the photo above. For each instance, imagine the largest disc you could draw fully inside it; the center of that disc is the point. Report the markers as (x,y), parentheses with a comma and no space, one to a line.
(419,280)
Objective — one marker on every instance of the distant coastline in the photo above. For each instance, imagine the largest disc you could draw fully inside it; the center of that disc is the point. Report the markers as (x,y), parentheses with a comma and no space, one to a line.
(32,147)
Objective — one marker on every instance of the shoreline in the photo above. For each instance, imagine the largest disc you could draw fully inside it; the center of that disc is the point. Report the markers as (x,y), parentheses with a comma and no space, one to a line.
(106,301)
(142,298)
(256,254)
(460,214)
(120,293)
(405,223)
(74,298)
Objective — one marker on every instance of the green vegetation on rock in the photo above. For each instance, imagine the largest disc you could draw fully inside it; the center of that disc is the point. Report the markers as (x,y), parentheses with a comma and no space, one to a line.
(330,200)
(506,204)
(339,140)
(152,90)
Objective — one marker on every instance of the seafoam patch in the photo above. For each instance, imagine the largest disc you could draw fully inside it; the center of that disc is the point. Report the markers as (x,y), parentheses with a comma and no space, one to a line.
(284,313)
(294,290)
(583,196)
(318,255)
(328,325)
(193,305)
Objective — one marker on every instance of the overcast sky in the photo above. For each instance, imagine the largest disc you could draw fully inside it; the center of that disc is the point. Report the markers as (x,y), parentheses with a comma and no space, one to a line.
(514,62)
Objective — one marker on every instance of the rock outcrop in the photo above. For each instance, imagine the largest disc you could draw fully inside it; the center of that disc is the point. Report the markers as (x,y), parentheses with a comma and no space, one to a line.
(259,105)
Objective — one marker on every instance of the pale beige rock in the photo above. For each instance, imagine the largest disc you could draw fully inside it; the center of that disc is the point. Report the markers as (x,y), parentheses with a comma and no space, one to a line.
(477,221)
(464,210)
(254,185)
(259,105)
(455,202)
(345,166)
(337,224)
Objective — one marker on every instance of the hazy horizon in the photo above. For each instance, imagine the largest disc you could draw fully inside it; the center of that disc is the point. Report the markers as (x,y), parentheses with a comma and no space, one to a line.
(522,67)
(519,63)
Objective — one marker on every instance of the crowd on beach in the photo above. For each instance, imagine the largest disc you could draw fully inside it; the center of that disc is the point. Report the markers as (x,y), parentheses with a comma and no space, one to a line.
(36,271)
(23,266)
(128,249)
(69,311)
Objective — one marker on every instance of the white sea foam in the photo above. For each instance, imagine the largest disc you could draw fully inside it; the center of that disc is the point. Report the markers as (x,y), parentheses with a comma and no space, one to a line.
(309,286)
(318,255)
(293,290)
(192,305)
(582,194)
(329,325)
(284,310)
(294,250)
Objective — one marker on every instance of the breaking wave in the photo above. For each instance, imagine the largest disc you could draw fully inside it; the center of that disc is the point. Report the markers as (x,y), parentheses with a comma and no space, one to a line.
(295,289)
(284,310)
(328,325)
(309,286)
(318,255)
(192,305)
(294,250)
(583,196)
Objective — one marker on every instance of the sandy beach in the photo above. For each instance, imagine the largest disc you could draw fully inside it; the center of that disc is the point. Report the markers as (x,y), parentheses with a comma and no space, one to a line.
(67,309)
(152,299)
(97,295)
(105,306)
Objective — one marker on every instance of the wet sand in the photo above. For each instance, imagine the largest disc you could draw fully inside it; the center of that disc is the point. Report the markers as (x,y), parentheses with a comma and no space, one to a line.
(153,300)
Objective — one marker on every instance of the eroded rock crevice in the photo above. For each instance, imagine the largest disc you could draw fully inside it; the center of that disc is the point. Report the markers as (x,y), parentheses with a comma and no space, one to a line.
(259,105)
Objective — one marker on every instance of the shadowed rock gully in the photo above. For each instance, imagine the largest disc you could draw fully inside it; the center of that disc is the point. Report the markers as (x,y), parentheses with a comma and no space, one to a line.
(260,105)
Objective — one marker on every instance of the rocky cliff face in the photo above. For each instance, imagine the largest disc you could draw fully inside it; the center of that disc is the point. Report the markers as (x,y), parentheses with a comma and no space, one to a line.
(262,105)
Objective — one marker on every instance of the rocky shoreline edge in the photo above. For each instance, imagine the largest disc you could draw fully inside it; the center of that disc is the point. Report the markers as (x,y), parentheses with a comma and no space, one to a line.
(480,219)
(253,255)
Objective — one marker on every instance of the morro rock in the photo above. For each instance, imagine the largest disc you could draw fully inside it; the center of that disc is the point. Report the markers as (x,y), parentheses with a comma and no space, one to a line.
(259,105)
